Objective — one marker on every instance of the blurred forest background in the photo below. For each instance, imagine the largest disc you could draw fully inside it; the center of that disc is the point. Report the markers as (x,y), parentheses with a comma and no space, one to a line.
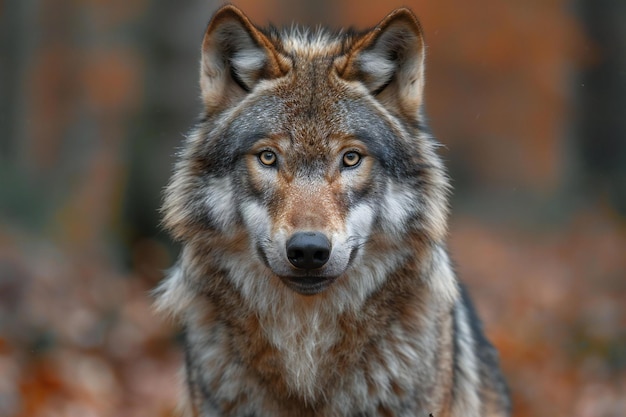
(528,96)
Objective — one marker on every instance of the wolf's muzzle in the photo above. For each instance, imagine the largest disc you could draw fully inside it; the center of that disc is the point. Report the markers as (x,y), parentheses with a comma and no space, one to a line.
(308,250)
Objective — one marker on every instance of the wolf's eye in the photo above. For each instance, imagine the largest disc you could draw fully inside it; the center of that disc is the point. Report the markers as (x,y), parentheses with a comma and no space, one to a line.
(267,158)
(351,159)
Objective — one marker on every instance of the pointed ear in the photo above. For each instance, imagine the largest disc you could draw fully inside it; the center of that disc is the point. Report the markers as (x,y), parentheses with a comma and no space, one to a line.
(389,61)
(235,57)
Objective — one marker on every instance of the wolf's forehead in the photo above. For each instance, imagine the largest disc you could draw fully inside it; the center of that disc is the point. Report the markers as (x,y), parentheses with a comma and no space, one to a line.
(306,42)
(315,122)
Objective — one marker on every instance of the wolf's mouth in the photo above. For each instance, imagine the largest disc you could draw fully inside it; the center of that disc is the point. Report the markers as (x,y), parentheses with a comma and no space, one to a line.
(308,285)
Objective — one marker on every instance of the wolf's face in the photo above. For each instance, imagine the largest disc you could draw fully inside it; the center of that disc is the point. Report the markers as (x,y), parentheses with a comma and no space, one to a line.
(308,195)
(311,150)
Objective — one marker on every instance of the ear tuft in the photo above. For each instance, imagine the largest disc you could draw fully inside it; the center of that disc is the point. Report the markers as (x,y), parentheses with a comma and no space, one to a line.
(389,61)
(235,57)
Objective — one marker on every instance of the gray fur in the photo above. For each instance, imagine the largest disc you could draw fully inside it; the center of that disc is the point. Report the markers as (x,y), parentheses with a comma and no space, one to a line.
(390,330)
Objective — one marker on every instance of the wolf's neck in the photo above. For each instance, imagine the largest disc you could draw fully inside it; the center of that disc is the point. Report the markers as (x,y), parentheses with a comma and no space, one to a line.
(303,339)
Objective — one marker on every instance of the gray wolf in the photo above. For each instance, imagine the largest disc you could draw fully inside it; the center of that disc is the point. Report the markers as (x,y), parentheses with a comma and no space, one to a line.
(311,207)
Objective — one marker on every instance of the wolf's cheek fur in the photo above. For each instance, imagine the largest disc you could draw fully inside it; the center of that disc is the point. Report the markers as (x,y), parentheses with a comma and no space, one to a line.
(219,201)
(257,220)
(400,204)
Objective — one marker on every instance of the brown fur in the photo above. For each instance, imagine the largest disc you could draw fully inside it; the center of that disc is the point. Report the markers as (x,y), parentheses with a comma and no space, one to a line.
(387,331)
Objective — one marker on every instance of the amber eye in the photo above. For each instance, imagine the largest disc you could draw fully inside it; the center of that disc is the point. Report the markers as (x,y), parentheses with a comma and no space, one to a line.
(267,158)
(351,159)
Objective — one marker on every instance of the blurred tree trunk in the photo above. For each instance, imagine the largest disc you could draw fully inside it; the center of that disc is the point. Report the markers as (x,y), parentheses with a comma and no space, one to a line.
(18,32)
(601,118)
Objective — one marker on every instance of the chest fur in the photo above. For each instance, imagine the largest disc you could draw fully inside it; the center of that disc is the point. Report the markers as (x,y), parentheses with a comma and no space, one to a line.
(311,361)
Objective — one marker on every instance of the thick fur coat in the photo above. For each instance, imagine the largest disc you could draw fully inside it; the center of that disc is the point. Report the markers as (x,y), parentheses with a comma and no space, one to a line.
(311,206)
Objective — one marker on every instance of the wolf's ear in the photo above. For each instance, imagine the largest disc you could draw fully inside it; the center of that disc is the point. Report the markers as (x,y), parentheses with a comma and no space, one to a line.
(235,57)
(389,61)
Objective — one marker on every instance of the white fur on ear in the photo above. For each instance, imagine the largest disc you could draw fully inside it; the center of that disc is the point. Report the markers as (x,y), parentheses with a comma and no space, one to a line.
(378,67)
(247,63)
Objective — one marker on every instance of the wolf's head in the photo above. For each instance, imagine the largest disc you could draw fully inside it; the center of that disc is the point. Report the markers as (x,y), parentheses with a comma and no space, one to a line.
(311,161)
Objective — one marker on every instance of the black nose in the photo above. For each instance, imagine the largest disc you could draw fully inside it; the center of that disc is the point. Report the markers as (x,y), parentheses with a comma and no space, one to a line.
(308,250)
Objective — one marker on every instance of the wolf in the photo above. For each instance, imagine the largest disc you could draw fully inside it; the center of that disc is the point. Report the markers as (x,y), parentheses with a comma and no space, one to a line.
(311,207)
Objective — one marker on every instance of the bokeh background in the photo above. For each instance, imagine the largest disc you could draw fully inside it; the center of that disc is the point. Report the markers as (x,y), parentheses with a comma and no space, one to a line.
(528,96)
